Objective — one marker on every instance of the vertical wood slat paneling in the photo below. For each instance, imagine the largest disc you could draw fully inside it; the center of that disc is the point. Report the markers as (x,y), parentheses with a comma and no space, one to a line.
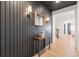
(30,25)
(16,29)
(21,27)
(29,35)
(24,9)
(7,28)
(3,29)
(28,43)
(26,48)
(11,27)
(15,32)
(27,38)
(0,29)
(24,27)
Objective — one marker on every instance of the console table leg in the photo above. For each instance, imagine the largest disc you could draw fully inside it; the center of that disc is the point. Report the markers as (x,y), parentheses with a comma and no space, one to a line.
(34,46)
(49,43)
(39,49)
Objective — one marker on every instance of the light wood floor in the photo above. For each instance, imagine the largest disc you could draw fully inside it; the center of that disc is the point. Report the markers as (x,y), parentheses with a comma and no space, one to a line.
(64,47)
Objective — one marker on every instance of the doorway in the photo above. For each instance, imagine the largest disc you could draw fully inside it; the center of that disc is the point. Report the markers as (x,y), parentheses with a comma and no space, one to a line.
(64,23)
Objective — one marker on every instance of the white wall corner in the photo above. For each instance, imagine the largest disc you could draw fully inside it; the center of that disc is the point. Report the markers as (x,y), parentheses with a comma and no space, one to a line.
(77,27)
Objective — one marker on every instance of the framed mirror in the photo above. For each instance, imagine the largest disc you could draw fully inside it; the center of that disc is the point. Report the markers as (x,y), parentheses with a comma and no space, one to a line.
(39,19)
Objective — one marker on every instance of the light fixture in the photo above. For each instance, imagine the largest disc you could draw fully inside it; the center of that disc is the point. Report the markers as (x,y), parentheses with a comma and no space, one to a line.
(28,10)
(47,19)
(57,1)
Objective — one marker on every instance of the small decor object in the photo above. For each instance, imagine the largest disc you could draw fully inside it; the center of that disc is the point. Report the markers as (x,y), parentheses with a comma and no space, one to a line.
(43,33)
(57,33)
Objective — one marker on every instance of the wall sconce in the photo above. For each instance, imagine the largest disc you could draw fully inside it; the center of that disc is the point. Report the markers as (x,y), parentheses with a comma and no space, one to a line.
(28,10)
(47,19)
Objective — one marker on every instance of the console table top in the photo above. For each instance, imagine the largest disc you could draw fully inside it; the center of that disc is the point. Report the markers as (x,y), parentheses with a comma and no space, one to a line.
(39,38)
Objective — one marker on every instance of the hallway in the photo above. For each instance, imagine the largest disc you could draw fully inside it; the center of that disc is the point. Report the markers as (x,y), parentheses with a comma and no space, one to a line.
(63,47)
(29,28)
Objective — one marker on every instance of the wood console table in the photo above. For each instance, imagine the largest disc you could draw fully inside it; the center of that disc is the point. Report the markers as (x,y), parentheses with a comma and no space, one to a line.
(39,39)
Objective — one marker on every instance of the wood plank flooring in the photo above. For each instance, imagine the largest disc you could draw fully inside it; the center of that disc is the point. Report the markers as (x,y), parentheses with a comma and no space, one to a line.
(63,47)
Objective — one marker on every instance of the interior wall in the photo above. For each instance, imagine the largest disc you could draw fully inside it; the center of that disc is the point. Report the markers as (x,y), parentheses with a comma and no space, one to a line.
(54,26)
(17,29)
(77,26)
(61,17)
(38,7)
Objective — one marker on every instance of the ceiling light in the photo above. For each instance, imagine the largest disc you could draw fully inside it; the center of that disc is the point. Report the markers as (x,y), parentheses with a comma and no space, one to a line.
(57,1)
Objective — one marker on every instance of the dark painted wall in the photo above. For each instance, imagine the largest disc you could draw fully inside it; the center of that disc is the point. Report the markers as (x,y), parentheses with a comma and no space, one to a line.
(38,7)
(17,29)
(0,29)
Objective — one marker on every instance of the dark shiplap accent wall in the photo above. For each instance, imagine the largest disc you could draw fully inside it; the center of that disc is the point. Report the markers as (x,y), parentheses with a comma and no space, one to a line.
(17,29)
(0,29)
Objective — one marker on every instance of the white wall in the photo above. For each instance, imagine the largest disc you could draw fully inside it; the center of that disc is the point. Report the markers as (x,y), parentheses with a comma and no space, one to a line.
(54,24)
(77,26)
(61,17)
(64,18)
